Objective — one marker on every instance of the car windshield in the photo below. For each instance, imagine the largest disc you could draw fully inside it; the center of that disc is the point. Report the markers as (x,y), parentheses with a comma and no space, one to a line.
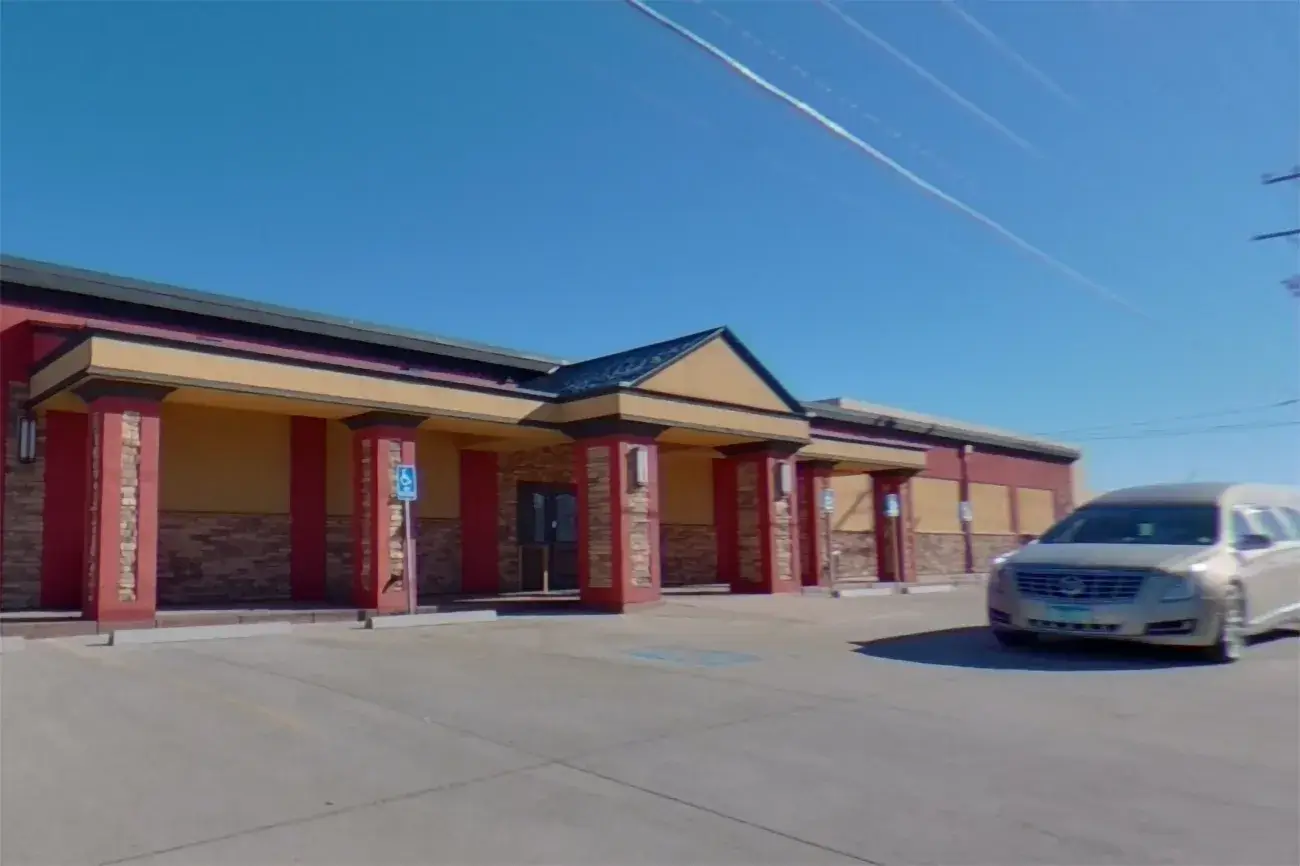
(1185,525)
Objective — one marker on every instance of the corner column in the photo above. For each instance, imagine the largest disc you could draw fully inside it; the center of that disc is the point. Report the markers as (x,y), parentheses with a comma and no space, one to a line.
(381,441)
(766,505)
(814,478)
(122,534)
(895,541)
(617,474)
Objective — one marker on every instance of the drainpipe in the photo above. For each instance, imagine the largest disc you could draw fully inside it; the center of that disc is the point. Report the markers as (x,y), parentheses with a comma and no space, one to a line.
(963,494)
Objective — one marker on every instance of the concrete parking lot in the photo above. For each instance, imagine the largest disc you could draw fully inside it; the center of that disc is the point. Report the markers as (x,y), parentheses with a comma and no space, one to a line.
(711,730)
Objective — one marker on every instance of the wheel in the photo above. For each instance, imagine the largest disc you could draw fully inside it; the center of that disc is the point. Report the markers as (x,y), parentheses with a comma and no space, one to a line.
(1230,642)
(1014,638)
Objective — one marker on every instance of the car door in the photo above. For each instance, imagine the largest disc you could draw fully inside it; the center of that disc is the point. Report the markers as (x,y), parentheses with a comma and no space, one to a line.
(1271,573)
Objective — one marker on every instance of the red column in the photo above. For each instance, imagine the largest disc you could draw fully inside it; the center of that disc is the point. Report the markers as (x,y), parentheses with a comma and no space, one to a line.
(767,532)
(814,480)
(307,466)
(894,537)
(122,537)
(67,493)
(618,522)
(480,569)
(380,443)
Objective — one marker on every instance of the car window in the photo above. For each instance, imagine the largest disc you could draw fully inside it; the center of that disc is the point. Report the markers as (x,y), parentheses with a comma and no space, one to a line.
(1291,515)
(1183,525)
(1241,525)
(1273,525)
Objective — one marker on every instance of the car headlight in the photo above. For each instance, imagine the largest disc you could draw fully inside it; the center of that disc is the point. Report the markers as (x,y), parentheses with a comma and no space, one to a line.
(999,574)
(1183,587)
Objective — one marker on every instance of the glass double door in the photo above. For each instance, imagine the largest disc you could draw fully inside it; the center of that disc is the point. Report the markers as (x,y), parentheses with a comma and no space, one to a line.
(548,537)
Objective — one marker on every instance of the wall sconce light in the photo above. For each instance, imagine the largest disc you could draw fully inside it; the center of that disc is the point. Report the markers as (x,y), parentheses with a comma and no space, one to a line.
(784,479)
(640,465)
(26,439)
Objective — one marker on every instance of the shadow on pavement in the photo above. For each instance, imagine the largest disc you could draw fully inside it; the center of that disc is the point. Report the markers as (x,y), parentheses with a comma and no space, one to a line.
(975,647)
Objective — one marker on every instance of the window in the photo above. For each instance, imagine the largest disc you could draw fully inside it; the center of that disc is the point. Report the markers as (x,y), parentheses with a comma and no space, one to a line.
(1183,525)
(1241,526)
(1272,524)
(1293,515)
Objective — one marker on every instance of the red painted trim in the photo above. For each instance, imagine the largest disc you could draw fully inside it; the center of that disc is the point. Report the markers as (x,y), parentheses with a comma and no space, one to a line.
(480,567)
(726,527)
(584,520)
(618,524)
(15,356)
(67,495)
(307,467)
(795,583)
(380,596)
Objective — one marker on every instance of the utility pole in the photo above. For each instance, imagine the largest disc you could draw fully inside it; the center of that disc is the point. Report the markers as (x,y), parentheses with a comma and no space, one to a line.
(1291,283)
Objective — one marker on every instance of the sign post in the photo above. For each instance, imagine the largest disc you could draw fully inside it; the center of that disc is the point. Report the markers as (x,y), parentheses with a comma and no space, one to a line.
(892,510)
(828,509)
(407,492)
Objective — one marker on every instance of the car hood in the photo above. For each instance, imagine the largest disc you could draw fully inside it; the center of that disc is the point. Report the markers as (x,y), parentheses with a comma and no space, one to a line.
(1155,556)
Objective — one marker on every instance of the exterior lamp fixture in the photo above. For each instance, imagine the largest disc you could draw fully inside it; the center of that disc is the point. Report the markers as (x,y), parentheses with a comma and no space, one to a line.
(26,439)
(784,479)
(640,460)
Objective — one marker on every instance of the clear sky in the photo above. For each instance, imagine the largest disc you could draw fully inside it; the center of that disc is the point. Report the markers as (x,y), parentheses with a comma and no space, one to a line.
(571,178)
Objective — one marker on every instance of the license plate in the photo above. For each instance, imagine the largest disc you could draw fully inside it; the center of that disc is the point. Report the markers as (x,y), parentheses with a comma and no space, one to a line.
(1070,612)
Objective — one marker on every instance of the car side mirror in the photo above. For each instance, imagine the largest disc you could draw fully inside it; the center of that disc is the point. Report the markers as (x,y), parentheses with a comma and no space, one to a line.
(1254,542)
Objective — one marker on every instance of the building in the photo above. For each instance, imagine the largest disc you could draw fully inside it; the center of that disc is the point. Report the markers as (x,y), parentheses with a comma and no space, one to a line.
(168,448)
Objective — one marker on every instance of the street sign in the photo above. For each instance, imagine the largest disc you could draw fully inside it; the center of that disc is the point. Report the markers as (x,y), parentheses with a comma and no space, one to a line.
(828,501)
(407,489)
(964,512)
(891,505)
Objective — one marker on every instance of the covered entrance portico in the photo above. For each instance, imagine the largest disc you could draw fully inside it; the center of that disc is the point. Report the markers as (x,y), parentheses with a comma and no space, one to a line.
(222,474)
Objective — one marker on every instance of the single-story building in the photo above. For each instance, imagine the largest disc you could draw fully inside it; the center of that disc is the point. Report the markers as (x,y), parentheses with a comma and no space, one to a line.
(166,448)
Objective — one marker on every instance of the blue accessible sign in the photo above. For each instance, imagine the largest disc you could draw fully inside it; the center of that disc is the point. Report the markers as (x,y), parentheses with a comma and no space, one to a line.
(828,501)
(891,505)
(407,488)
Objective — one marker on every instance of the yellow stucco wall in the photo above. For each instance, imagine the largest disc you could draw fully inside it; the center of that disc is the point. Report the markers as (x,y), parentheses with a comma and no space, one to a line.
(437,461)
(685,488)
(715,372)
(1036,510)
(223,461)
(991,509)
(935,504)
(852,503)
(338,469)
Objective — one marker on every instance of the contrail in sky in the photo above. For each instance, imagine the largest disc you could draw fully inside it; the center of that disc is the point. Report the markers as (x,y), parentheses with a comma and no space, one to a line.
(929,76)
(927,187)
(1010,53)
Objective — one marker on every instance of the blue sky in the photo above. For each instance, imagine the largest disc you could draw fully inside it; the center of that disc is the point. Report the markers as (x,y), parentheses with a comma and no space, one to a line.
(570,178)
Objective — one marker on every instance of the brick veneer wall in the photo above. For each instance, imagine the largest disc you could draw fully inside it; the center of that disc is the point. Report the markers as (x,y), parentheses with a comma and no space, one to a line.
(857,555)
(689,554)
(208,558)
(640,541)
(338,559)
(986,547)
(24,492)
(945,553)
(129,513)
(600,529)
(437,550)
(553,465)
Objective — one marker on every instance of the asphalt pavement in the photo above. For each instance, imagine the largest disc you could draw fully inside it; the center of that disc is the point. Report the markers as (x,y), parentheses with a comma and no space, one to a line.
(712,730)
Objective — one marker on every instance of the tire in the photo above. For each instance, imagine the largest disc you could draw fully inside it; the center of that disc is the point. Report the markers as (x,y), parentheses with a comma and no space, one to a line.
(1230,642)
(1014,638)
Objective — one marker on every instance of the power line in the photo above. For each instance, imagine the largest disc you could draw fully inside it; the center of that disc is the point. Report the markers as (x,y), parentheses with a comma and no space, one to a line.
(1192,431)
(1198,416)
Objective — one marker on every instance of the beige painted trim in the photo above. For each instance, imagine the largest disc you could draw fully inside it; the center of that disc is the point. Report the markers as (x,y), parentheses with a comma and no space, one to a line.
(868,457)
(169,365)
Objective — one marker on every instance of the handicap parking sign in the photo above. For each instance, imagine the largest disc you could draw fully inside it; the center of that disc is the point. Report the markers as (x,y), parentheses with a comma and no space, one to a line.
(891,505)
(828,501)
(406,483)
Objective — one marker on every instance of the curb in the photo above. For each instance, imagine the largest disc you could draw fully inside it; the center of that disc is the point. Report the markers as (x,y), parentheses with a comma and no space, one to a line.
(864,592)
(415,620)
(182,634)
(924,588)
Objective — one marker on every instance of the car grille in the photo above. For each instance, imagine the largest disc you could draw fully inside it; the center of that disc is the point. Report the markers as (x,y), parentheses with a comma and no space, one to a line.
(1084,587)
(1076,627)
